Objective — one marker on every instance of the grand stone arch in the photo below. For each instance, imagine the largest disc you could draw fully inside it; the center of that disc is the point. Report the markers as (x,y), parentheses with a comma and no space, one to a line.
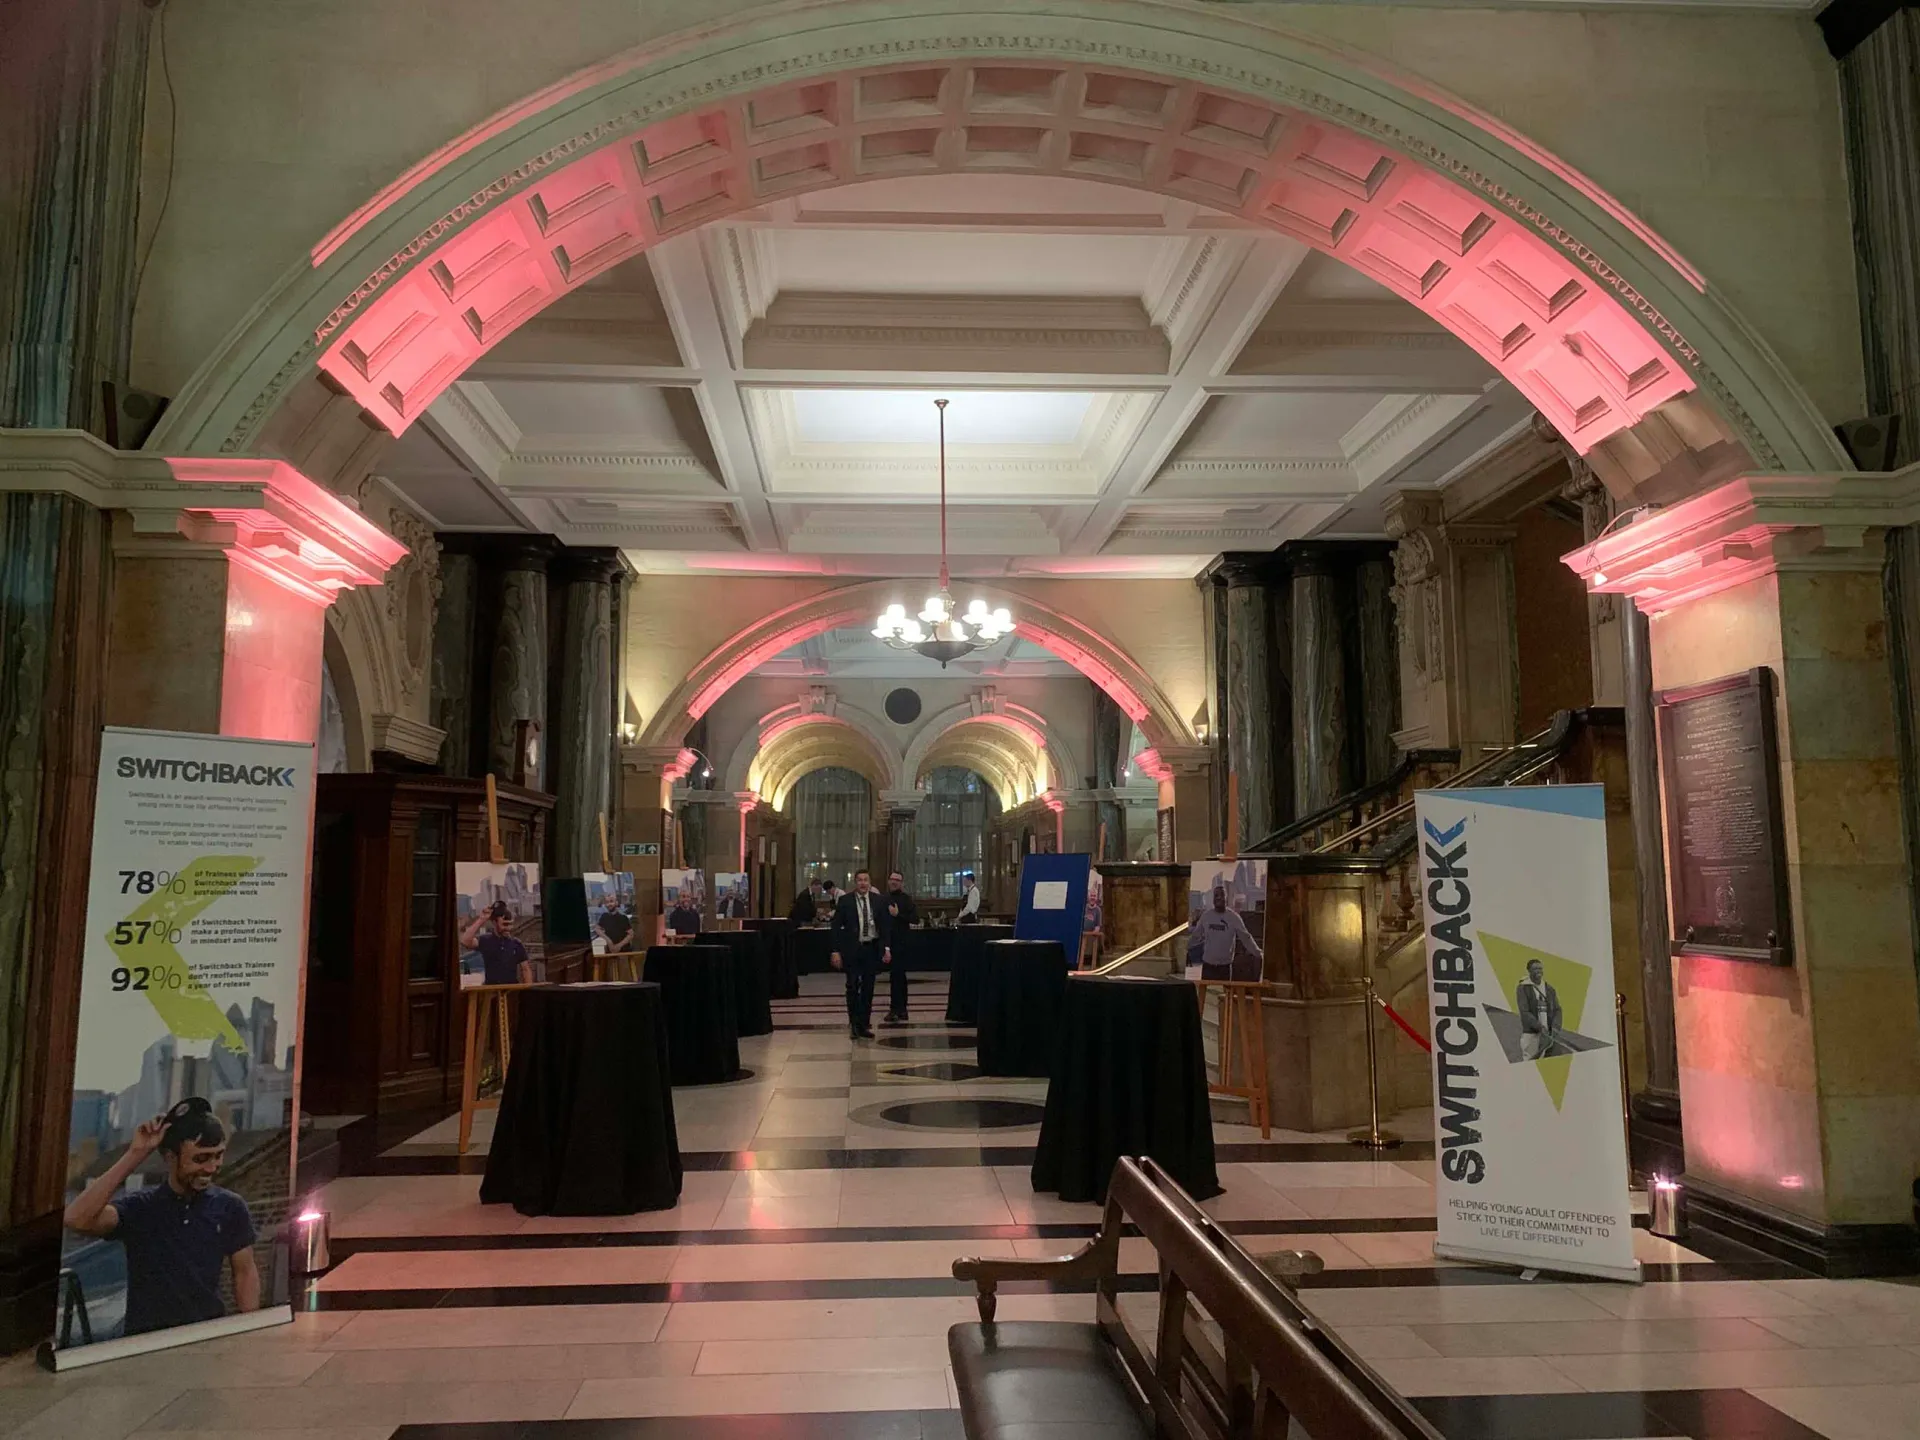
(1632,355)
(1088,651)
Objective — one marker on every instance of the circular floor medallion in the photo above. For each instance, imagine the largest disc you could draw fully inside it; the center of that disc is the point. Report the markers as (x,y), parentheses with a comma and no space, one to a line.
(964,1114)
(936,1070)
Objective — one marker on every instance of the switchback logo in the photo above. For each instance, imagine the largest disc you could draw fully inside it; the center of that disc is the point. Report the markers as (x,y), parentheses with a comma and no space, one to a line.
(1570,982)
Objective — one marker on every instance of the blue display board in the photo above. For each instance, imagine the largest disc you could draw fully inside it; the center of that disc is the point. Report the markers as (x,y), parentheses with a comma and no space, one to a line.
(1053,900)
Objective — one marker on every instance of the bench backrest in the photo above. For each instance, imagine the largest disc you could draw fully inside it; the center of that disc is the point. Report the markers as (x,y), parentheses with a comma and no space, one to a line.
(1262,1361)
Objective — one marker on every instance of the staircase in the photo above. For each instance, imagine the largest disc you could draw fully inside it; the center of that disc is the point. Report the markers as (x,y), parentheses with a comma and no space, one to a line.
(1343,903)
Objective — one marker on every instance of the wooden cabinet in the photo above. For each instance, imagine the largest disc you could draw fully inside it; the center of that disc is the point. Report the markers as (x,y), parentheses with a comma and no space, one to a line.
(383,1000)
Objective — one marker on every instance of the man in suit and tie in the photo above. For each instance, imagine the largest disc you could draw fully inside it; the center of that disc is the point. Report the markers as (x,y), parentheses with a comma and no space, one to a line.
(862,943)
(1539,1011)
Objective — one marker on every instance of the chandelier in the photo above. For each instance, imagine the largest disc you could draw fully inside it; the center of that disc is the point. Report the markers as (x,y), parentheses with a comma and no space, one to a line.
(938,632)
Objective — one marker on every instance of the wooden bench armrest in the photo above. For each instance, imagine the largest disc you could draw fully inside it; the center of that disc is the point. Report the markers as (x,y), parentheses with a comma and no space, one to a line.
(1095,1260)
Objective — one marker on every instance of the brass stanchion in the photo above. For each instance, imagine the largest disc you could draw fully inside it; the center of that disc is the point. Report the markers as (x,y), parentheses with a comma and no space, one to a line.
(1373,1137)
(1626,1085)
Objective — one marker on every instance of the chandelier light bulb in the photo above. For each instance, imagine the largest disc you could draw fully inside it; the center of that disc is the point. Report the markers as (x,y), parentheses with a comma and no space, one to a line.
(939,632)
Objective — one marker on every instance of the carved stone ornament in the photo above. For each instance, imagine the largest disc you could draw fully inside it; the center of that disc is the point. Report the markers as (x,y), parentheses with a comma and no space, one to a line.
(413,597)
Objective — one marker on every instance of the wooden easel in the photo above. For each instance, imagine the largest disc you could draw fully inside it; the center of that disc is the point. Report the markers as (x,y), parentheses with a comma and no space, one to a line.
(1241,1011)
(484,1002)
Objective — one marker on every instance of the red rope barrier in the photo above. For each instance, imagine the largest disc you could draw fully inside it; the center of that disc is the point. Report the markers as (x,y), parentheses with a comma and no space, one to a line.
(1412,1034)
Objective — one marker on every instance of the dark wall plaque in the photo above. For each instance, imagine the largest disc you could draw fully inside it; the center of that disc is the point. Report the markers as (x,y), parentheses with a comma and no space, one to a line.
(1726,843)
(1165,834)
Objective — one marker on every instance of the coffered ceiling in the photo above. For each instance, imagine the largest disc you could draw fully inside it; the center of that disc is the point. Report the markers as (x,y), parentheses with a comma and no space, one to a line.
(1137,384)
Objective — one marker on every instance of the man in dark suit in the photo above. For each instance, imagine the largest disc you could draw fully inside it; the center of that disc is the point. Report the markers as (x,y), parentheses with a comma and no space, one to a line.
(904,914)
(862,943)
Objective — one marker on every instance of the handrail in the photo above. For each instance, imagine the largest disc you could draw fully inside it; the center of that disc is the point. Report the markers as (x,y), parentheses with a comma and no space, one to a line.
(1552,738)
(1138,950)
(1409,762)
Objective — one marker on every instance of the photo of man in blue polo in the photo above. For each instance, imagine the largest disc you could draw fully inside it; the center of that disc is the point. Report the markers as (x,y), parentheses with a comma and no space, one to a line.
(177,1234)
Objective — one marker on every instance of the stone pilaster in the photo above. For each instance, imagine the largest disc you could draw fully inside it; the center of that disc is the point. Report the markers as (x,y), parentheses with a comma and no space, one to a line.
(1800,1083)
(1184,776)
(1453,602)
(583,730)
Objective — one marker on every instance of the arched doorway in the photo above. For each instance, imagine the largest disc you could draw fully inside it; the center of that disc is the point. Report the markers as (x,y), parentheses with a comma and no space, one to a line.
(1581,306)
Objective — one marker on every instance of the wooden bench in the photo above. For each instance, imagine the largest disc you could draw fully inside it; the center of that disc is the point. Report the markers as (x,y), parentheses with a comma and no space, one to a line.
(1235,1356)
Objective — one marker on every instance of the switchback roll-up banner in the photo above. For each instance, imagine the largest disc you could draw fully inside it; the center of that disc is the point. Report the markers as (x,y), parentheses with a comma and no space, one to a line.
(180,1153)
(1532,1161)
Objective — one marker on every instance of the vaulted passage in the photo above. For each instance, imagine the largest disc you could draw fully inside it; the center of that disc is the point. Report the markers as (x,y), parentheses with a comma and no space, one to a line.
(678,684)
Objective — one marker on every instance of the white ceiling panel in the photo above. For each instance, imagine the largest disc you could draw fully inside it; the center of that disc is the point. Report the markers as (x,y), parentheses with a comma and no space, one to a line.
(909,417)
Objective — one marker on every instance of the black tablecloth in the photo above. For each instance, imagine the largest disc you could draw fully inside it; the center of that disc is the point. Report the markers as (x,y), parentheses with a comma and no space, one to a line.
(1022,983)
(752,993)
(963,989)
(783,980)
(1129,1078)
(811,945)
(703,1040)
(586,1119)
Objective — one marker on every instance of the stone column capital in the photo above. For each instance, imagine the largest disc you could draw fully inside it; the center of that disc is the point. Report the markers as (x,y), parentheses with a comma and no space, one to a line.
(263,514)
(1238,568)
(1163,762)
(670,762)
(1753,526)
(576,564)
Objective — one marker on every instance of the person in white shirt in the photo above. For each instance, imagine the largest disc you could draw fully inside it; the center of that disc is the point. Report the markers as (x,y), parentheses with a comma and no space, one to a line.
(970,907)
(1221,937)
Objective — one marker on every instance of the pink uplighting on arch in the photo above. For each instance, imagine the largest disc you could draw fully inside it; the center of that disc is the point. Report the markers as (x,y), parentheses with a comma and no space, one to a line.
(805,620)
(1550,317)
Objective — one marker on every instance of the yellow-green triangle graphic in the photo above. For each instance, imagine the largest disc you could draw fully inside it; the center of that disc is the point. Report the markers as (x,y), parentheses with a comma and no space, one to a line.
(1570,980)
(144,943)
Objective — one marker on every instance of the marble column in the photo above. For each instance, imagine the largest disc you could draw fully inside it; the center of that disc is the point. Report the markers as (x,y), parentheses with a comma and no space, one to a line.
(1378,712)
(53,593)
(450,699)
(67,242)
(517,676)
(1661,1098)
(583,730)
(1321,717)
(1256,743)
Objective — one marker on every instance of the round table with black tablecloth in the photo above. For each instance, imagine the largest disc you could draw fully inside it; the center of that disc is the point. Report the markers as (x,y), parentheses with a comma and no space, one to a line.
(752,1007)
(783,980)
(963,984)
(1129,1078)
(703,1039)
(811,945)
(586,1118)
(1022,984)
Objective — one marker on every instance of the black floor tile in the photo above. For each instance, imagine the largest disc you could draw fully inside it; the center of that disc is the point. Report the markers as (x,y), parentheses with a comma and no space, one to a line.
(1697,1414)
(670,1293)
(853,1425)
